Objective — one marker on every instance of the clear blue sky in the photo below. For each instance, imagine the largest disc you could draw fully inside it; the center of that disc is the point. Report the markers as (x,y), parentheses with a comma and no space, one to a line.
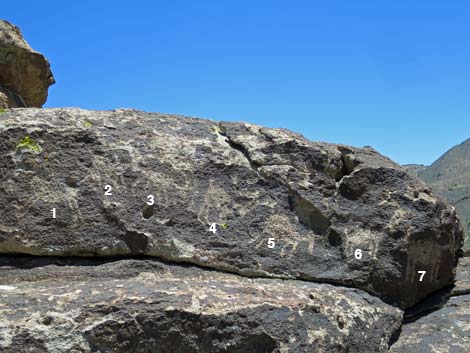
(391,74)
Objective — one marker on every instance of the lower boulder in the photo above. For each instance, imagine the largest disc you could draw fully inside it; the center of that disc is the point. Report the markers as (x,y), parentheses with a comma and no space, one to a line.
(147,306)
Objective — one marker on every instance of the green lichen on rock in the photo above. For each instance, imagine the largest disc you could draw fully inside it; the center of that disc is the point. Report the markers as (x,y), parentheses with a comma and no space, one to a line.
(2,110)
(27,143)
(88,123)
(216,130)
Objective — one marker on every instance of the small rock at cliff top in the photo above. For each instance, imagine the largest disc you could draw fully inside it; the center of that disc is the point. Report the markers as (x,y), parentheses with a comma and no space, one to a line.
(143,306)
(230,196)
(23,71)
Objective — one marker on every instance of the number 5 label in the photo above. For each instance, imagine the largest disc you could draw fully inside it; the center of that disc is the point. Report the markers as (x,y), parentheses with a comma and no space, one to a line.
(271,243)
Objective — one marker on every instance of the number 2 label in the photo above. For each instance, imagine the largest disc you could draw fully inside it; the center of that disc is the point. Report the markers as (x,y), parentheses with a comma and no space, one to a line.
(108,189)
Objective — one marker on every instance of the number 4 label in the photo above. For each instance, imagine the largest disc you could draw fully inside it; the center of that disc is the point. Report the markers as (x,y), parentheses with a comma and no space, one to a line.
(422,273)
(213,228)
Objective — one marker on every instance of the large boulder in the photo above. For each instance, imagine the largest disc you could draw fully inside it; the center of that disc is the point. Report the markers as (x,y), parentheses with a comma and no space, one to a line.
(25,74)
(143,306)
(228,196)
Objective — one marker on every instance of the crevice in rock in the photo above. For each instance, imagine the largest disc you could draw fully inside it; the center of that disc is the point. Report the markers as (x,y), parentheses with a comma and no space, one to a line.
(349,165)
(428,305)
(240,148)
(395,336)
(432,303)
(28,261)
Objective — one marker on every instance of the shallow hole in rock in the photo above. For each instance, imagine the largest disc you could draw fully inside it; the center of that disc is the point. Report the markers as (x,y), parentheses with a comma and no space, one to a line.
(47,320)
(334,238)
(72,181)
(148,211)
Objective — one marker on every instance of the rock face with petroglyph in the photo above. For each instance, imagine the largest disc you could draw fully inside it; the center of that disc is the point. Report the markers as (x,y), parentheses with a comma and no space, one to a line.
(446,330)
(126,182)
(145,306)
(25,74)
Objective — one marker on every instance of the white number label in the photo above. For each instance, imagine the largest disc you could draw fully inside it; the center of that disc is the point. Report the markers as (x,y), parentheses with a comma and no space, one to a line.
(54,213)
(213,228)
(422,273)
(271,243)
(108,189)
(358,254)
(150,200)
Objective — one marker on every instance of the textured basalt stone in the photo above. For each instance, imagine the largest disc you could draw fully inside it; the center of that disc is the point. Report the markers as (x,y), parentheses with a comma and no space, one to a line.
(143,306)
(333,213)
(446,330)
(25,74)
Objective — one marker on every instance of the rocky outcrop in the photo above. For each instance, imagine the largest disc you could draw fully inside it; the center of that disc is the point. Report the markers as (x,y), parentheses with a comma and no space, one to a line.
(449,178)
(25,74)
(446,329)
(233,197)
(145,306)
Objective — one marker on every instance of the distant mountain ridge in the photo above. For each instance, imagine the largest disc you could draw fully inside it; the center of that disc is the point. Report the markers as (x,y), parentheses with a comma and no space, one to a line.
(449,176)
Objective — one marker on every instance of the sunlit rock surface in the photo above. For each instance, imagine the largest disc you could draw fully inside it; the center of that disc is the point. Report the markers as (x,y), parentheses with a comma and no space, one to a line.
(145,306)
(446,330)
(25,74)
(126,182)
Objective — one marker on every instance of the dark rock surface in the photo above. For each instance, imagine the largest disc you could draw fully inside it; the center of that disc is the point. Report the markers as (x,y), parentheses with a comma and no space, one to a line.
(143,306)
(283,206)
(25,74)
(446,330)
